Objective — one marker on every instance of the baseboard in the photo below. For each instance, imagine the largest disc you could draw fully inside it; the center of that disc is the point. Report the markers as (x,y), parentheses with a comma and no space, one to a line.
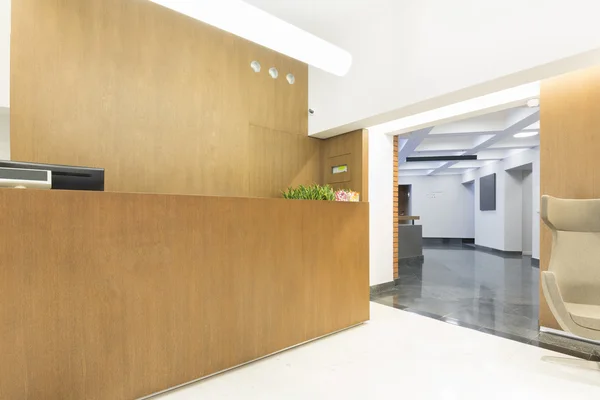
(526,253)
(502,253)
(535,262)
(382,287)
(567,334)
(438,240)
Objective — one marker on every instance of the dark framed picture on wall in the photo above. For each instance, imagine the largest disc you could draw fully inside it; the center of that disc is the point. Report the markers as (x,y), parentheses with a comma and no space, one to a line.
(487,193)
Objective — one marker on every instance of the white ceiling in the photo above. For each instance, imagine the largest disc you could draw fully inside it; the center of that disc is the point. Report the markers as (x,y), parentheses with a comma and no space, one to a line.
(412,56)
(490,137)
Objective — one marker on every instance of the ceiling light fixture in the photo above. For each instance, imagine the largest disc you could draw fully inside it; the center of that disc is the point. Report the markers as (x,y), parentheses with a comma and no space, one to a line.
(508,98)
(525,134)
(255,25)
(442,158)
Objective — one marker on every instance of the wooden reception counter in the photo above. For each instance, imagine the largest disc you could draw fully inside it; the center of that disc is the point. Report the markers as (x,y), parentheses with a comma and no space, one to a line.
(118,296)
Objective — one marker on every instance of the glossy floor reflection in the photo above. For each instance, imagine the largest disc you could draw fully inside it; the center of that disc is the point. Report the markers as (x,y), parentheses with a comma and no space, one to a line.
(488,292)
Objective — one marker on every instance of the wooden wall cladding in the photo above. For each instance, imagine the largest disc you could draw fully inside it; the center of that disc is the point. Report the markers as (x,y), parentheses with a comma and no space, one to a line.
(569,149)
(163,102)
(274,169)
(349,149)
(117,296)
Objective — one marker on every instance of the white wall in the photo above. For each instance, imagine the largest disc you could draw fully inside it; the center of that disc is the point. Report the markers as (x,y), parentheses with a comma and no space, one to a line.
(502,229)
(381,197)
(531,157)
(527,208)
(5,53)
(4,134)
(513,210)
(444,204)
(470,210)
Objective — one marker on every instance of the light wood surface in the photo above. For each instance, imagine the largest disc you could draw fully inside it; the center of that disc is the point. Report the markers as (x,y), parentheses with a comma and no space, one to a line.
(395,212)
(165,103)
(349,149)
(116,296)
(569,149)
(279,160)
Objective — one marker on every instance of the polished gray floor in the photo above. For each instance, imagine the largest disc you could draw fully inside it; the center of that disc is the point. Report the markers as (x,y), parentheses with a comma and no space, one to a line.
(493,293)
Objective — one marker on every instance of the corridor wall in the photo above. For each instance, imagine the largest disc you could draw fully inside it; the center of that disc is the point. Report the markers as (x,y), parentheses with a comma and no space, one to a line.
(501,229)
(445,205)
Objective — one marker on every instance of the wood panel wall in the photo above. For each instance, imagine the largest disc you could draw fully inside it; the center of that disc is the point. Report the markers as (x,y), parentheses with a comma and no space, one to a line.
(395,213)
(163,102)
(280,159)
(349,149)
(569,149)
(117,296)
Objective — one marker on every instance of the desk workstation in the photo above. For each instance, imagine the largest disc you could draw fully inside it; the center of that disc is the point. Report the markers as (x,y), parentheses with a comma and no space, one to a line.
(186,261)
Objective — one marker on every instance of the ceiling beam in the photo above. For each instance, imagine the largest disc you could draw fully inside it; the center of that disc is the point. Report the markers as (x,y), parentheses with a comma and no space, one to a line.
(523,120)
(462,133)
(414,140)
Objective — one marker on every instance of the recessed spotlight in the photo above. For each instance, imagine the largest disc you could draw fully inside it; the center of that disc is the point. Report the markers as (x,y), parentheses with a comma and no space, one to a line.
(290,78)
(273,72)
(533,103)
(525,134)
(255,65)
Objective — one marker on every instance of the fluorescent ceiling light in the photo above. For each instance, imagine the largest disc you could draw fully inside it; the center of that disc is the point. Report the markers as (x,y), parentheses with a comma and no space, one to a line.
(525,134)
(508,98)
(255,25)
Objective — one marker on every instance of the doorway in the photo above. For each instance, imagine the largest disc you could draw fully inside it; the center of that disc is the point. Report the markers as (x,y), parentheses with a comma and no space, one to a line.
(473,271)
(404,202)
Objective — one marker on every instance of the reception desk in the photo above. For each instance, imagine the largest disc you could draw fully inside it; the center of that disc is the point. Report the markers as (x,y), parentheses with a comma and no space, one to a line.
(410,241)
(118,296)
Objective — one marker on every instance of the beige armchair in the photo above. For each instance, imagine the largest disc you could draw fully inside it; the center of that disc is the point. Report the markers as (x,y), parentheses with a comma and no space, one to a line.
(572,283)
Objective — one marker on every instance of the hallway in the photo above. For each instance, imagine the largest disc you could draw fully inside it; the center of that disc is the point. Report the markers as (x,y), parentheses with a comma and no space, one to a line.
(493,293)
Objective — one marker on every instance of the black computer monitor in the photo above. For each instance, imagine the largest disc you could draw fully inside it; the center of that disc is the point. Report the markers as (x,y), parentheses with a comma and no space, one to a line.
(65,177)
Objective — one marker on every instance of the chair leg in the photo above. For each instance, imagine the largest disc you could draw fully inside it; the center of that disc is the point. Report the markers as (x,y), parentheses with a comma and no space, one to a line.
(573,362)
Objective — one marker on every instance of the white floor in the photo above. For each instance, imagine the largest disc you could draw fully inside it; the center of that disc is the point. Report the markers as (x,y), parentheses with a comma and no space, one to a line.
(402,355)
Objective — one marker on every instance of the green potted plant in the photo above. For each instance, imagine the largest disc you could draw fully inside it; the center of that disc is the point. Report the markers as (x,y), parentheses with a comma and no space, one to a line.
(310,192)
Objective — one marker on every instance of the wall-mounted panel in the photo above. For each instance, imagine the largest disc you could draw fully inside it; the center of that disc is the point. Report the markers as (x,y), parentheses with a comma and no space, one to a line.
(345,162)
(163,102)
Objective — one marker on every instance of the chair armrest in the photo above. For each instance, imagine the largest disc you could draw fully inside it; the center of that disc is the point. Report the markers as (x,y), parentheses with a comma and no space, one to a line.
(555,300)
